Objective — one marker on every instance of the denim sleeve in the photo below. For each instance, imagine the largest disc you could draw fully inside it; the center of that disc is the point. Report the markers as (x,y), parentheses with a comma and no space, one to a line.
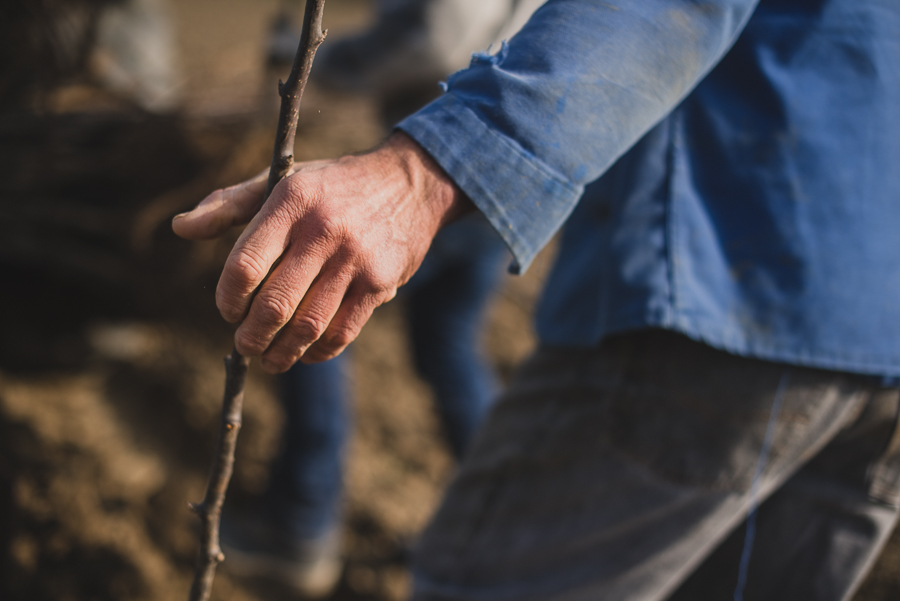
(521,132)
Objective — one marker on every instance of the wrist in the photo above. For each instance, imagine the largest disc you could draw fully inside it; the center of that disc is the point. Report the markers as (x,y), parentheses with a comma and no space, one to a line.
(444,199)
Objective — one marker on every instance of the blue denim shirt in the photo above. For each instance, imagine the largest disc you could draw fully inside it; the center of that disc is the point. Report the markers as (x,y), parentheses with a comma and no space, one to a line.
(729,169)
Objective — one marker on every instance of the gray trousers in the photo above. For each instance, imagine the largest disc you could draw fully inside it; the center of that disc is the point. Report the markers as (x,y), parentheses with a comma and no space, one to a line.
(624,473)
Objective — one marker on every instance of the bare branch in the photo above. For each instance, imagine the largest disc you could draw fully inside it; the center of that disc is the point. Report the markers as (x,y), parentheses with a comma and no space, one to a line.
(210,554)
(291,93)
(210,509)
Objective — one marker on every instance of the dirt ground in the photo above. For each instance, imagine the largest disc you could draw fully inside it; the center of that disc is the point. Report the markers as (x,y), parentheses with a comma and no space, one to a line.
(110,352)
(110,362)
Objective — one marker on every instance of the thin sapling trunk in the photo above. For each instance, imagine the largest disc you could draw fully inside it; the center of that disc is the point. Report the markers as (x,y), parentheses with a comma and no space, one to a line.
(210,510)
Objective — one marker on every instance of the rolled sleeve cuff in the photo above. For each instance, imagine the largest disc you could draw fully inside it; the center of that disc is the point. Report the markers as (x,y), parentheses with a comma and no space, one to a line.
(524,199)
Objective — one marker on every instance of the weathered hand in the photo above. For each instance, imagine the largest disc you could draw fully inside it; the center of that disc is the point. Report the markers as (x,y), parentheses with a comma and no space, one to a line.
(344,234)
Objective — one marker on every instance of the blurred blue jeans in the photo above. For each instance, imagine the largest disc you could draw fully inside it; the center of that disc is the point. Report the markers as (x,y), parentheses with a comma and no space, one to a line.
(446,302)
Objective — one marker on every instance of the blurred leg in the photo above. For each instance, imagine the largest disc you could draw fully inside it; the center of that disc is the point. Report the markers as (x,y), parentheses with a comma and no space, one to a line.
(306,484)
(447,306)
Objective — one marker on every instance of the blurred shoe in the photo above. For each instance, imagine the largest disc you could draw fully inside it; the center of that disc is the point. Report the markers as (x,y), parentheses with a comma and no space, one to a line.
(255,548)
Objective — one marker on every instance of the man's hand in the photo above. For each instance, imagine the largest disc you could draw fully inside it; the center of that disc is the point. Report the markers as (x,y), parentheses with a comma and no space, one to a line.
(344,234)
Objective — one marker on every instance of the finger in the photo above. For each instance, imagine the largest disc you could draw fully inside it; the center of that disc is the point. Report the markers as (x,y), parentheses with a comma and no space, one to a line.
(275,303)
(258,248)
(346,325)
(222,209)
(309,322)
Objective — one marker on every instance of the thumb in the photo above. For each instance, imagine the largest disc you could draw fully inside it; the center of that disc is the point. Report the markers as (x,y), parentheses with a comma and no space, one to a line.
(222,209)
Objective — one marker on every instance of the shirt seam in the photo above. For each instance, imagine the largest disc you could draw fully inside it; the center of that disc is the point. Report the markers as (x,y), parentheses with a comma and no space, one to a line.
(671,227)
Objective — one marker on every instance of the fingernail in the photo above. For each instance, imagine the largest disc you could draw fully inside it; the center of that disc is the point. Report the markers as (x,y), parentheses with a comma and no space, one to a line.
(180,215)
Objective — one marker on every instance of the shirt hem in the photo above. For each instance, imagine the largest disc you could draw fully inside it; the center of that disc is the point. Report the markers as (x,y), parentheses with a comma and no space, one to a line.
(734,343)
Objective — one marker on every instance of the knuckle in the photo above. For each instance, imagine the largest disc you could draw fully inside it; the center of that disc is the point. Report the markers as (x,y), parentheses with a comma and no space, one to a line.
(273,308)
(365,257)
(386,295)
(373,283)
(294,198)
(247,267)
(324,232)
(341,336)
(354,246)
(292,186)
(379,290)
(249,344)
(243,271)
(308,327)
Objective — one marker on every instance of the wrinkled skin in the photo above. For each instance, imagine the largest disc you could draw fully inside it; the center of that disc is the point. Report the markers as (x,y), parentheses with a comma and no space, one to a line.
(345,234)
